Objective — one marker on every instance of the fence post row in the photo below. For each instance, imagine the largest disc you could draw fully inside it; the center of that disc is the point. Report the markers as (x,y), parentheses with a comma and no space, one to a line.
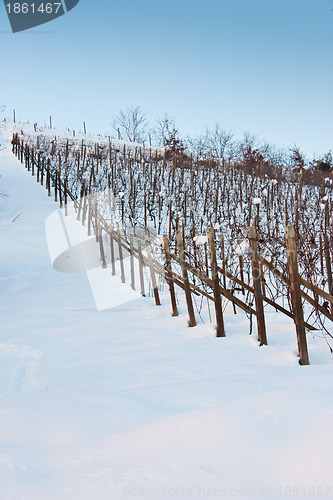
(87,207)
(296,298)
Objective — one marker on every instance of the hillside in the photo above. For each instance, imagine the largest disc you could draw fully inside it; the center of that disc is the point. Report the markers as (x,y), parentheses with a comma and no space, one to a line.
(129,401)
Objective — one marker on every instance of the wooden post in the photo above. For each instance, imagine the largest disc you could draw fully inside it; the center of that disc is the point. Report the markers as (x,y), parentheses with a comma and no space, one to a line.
(121,258)
(65,195)
(96,217)
(241,268)
(170,218)
(59,186)
(152,274)
(26,157)
(113,266)
(257,285)
(56,185)
(328,266)
(101,247)
(145,209)
(42,172)
(223,262)
(80,200)
(142,280)
(296,295)
(38,167)
(84,208)
(192,322)
(220,332)
(132,262)
(168,270)
(48,178)
(89,213)
(32,162)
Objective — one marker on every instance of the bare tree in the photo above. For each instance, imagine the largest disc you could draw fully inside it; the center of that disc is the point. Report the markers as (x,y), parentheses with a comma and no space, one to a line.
(220,142)
(278,157)
(217,143)
(199,146)
(164,130)
(131,124)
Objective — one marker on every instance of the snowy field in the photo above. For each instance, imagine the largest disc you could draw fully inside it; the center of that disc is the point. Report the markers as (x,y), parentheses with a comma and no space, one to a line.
(131,403)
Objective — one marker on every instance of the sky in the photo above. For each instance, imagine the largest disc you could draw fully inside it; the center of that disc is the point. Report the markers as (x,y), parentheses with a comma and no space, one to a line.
(257,66)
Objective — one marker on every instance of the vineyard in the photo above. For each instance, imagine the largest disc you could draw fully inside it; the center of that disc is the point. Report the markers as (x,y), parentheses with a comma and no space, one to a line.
(223,232)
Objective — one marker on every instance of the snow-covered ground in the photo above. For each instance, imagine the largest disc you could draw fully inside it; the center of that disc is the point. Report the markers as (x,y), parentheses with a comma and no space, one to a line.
(129,402)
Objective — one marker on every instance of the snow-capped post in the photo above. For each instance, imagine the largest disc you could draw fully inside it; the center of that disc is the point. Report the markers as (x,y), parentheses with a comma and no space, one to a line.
(141,264)
(257,285)
(220,332)
(296,297)
(257,202)
(152,274)
(168,270)
(192,321)
(132,262)
(250,212)
(84,208)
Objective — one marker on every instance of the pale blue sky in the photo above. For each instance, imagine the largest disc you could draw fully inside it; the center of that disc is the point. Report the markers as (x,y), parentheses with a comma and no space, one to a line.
(262,66)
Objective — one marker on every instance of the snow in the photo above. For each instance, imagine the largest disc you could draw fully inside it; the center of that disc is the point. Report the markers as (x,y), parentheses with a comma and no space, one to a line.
(130,402)
(242,248)
(201,239)
(256,201)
